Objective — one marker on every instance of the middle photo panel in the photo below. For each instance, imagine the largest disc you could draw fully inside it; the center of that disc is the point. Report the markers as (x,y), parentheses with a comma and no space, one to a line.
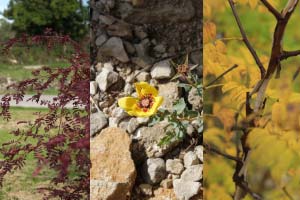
(146,100)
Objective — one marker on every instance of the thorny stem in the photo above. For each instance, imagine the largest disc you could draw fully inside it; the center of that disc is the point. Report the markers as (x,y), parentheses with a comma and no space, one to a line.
(220,76)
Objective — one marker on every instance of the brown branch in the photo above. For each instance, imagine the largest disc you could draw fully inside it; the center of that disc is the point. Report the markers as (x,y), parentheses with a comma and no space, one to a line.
(216,151)
(286,54)
(296,73)
(272,10)
(246,41)
(221,75)
(287,193)
(243,184)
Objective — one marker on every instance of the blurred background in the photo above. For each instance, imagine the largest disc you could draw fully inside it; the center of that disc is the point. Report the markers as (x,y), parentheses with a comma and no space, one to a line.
(273,169)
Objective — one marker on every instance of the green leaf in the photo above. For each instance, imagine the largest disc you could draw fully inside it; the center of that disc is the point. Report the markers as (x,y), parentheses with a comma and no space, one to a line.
(179,106)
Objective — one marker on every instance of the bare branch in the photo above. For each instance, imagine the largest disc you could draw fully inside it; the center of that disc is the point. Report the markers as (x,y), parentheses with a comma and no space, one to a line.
(216,151)
(287,193)
(246,41)
(273,10)
(287,54)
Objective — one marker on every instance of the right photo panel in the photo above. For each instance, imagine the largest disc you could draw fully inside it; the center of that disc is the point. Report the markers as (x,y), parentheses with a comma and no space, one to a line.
(251,108)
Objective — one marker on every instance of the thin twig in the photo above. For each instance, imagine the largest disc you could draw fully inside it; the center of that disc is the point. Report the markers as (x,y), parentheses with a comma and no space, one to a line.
(296,73)
(276,14)
(287,193)
(246,41)
(216,151)
(220,76)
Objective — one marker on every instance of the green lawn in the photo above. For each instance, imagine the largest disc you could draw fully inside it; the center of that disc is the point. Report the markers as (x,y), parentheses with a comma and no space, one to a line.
(21,185)
(22,72)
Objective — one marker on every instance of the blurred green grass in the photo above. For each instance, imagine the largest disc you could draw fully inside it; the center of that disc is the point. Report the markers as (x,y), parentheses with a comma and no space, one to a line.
(22,72)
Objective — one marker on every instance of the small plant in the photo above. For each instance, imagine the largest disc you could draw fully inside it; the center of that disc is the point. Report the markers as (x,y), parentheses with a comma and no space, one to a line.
(180,117)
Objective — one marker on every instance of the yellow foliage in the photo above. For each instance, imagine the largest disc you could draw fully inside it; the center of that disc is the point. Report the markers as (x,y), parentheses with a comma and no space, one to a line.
(275,140)
(209,32)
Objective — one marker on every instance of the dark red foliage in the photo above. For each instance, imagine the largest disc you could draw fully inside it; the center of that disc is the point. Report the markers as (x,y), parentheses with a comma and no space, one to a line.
(61,136)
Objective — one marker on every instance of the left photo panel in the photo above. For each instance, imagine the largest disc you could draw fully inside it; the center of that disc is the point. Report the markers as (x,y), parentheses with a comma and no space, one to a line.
(146,100)
(44,100)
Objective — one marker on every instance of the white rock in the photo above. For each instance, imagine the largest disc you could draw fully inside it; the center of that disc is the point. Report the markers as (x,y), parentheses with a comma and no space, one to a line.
(185,190)
(199,152)
(154,170)
(109,66)
(170,92)
(134,123)
(93,87)
(97,122)
(162,70)
(174,166)
(114,47)
(106,79)
(190,158)
(113,122)
(193,173)
(119,113)
(143,76)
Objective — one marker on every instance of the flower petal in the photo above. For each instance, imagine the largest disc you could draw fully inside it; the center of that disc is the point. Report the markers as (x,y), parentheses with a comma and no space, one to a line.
(128,103)
(143,88)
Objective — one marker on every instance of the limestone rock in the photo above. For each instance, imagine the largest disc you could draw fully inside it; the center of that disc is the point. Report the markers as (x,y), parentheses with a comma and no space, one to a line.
(192,173)
(154,170)
(174,166)
(170,92)
(149,137)
(93,87)
(114,47)
(199,152)
(143,76)
(113,172)
(185,190)
(134,123)
(162,70)
(106,79)
(97,122)
(190,158)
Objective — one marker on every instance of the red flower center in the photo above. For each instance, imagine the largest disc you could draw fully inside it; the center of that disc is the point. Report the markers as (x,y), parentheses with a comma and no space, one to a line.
(146,102)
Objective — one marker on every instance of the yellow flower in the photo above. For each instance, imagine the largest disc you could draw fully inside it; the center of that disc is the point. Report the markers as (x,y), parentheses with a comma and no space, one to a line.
(145,105)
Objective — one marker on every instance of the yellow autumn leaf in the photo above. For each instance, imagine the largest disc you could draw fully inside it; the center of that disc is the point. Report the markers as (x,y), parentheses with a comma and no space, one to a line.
(209,32)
